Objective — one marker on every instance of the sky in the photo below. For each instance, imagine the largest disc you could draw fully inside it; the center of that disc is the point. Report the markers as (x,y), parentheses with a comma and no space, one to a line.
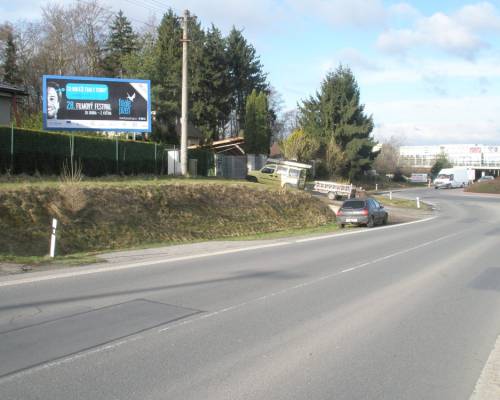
(428,71)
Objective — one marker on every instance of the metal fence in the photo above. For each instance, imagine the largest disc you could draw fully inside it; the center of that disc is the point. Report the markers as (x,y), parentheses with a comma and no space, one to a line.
(233,167)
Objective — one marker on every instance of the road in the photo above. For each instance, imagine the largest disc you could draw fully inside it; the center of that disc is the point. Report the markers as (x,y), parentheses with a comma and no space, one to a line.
(399,312)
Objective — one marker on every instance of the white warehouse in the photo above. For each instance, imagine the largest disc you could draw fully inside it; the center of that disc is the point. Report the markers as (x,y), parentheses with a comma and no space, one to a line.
(477,156)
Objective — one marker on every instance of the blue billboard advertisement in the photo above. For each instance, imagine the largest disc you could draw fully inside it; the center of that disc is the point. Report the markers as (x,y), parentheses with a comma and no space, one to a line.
(101,104)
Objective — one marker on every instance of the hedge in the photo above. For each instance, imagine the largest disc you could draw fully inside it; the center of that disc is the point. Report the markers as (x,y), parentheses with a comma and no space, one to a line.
(45,152)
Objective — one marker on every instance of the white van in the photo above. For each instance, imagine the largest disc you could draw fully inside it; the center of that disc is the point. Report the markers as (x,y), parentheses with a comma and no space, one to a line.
(452,178)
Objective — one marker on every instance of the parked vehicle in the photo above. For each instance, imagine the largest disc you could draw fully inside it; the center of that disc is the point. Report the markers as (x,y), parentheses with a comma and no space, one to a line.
(418,178)
(284,173)
(367,212)
(452,178)
(334,190)
(486,178)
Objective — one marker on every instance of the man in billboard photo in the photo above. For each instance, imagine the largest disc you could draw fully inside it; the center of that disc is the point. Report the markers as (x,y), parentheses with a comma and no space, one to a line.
(53,99)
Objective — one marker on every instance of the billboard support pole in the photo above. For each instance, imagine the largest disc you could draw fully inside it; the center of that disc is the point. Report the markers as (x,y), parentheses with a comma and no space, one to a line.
(12,148)
(117,171)
(184,111)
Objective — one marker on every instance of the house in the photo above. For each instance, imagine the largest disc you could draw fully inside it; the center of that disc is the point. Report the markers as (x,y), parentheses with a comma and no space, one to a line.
(194,135)
(9,100)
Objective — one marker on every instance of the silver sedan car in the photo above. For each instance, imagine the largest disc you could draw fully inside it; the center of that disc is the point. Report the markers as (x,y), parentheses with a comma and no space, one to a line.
(367,212)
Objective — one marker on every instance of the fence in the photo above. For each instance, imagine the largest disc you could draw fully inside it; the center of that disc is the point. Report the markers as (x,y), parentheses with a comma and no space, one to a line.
(27,151)
(256,161)
(233,167)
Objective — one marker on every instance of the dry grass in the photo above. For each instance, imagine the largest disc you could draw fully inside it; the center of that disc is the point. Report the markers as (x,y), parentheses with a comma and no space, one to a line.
(485,187)
(106,217)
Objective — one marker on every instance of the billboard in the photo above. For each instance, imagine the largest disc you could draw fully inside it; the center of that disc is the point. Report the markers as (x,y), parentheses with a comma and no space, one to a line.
(101,104)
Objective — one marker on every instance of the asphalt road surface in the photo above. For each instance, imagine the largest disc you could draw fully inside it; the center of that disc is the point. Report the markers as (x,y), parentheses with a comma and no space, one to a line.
(401,312)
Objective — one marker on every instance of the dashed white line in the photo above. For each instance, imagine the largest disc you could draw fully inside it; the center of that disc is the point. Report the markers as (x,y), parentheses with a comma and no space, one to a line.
(100,269)
(212,314)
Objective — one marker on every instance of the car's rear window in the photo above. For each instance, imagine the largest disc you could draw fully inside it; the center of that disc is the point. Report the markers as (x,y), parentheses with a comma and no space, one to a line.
(354,204)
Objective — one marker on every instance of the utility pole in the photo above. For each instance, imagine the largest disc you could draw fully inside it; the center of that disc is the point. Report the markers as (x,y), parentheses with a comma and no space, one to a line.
(184,105)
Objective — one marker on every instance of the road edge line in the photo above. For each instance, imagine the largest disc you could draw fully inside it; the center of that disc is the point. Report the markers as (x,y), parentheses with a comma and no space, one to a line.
(488,385)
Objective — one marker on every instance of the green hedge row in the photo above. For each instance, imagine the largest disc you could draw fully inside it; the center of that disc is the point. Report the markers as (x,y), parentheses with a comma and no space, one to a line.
(45,153)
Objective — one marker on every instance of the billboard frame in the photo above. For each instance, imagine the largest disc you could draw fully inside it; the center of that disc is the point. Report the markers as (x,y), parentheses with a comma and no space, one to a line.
(45,78)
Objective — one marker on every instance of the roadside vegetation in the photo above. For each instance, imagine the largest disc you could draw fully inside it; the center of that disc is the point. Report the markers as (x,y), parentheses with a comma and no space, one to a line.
(400,203)
(485,187)
(101,216)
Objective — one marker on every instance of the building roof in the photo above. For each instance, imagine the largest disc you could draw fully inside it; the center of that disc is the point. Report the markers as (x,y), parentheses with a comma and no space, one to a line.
(230,146)
(13,89)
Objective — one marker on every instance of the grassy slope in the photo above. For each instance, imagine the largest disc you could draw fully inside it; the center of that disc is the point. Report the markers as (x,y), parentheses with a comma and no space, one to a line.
(119,214)
(485,187)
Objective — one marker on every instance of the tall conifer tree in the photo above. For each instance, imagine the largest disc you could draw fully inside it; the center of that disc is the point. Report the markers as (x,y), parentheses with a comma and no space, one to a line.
(122,42)
(336,117)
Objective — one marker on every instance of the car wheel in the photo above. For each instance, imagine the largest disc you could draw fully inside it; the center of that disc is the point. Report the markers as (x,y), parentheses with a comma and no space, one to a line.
(384,221)
(371,222)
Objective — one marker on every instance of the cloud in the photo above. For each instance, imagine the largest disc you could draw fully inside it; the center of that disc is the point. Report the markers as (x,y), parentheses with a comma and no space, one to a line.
(352,58)
(457,34)
(432,134)
(403,10)
(479,17)
(468,119)
(342,13)
(437,83)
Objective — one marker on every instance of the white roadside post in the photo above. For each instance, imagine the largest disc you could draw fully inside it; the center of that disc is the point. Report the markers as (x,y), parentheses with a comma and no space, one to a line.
(376,187)
(390,195)
(53,238)
(418,202)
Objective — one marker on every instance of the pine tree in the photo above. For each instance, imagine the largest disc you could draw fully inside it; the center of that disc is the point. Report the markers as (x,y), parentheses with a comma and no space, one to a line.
(166,79)
(214,85)
(336,117)
(122,42)
(246,72)
(10,68)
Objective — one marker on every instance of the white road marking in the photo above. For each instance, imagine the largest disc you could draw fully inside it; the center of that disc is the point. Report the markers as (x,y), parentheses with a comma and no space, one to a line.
(100,269)
(363,231)
(488,384)
(112,346)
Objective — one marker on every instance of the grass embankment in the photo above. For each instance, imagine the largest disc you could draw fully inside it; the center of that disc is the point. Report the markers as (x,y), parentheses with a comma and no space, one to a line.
(485,187)
(400,203)
(119,214)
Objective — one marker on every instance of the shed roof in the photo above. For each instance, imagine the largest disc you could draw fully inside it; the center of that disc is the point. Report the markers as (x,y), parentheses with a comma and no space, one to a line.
(13,89)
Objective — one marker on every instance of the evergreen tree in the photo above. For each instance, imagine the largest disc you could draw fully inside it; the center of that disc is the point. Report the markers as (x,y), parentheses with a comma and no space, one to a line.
(336,117)
(441,162)
(10,68)
(263,122)
(214,85)
(251,127)
(246,72)
(166,79)
(257,129)
(122,42)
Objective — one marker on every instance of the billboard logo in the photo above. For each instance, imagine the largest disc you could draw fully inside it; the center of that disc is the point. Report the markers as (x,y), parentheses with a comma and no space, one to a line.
(124,106)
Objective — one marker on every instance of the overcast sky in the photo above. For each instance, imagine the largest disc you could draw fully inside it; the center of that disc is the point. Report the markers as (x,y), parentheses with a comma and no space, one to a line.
(429,71)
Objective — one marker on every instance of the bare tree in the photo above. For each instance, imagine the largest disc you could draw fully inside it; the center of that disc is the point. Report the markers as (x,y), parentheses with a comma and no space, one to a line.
(387,160)
(74,36)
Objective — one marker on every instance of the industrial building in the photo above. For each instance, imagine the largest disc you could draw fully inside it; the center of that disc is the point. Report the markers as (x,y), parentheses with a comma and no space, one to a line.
(485,159)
